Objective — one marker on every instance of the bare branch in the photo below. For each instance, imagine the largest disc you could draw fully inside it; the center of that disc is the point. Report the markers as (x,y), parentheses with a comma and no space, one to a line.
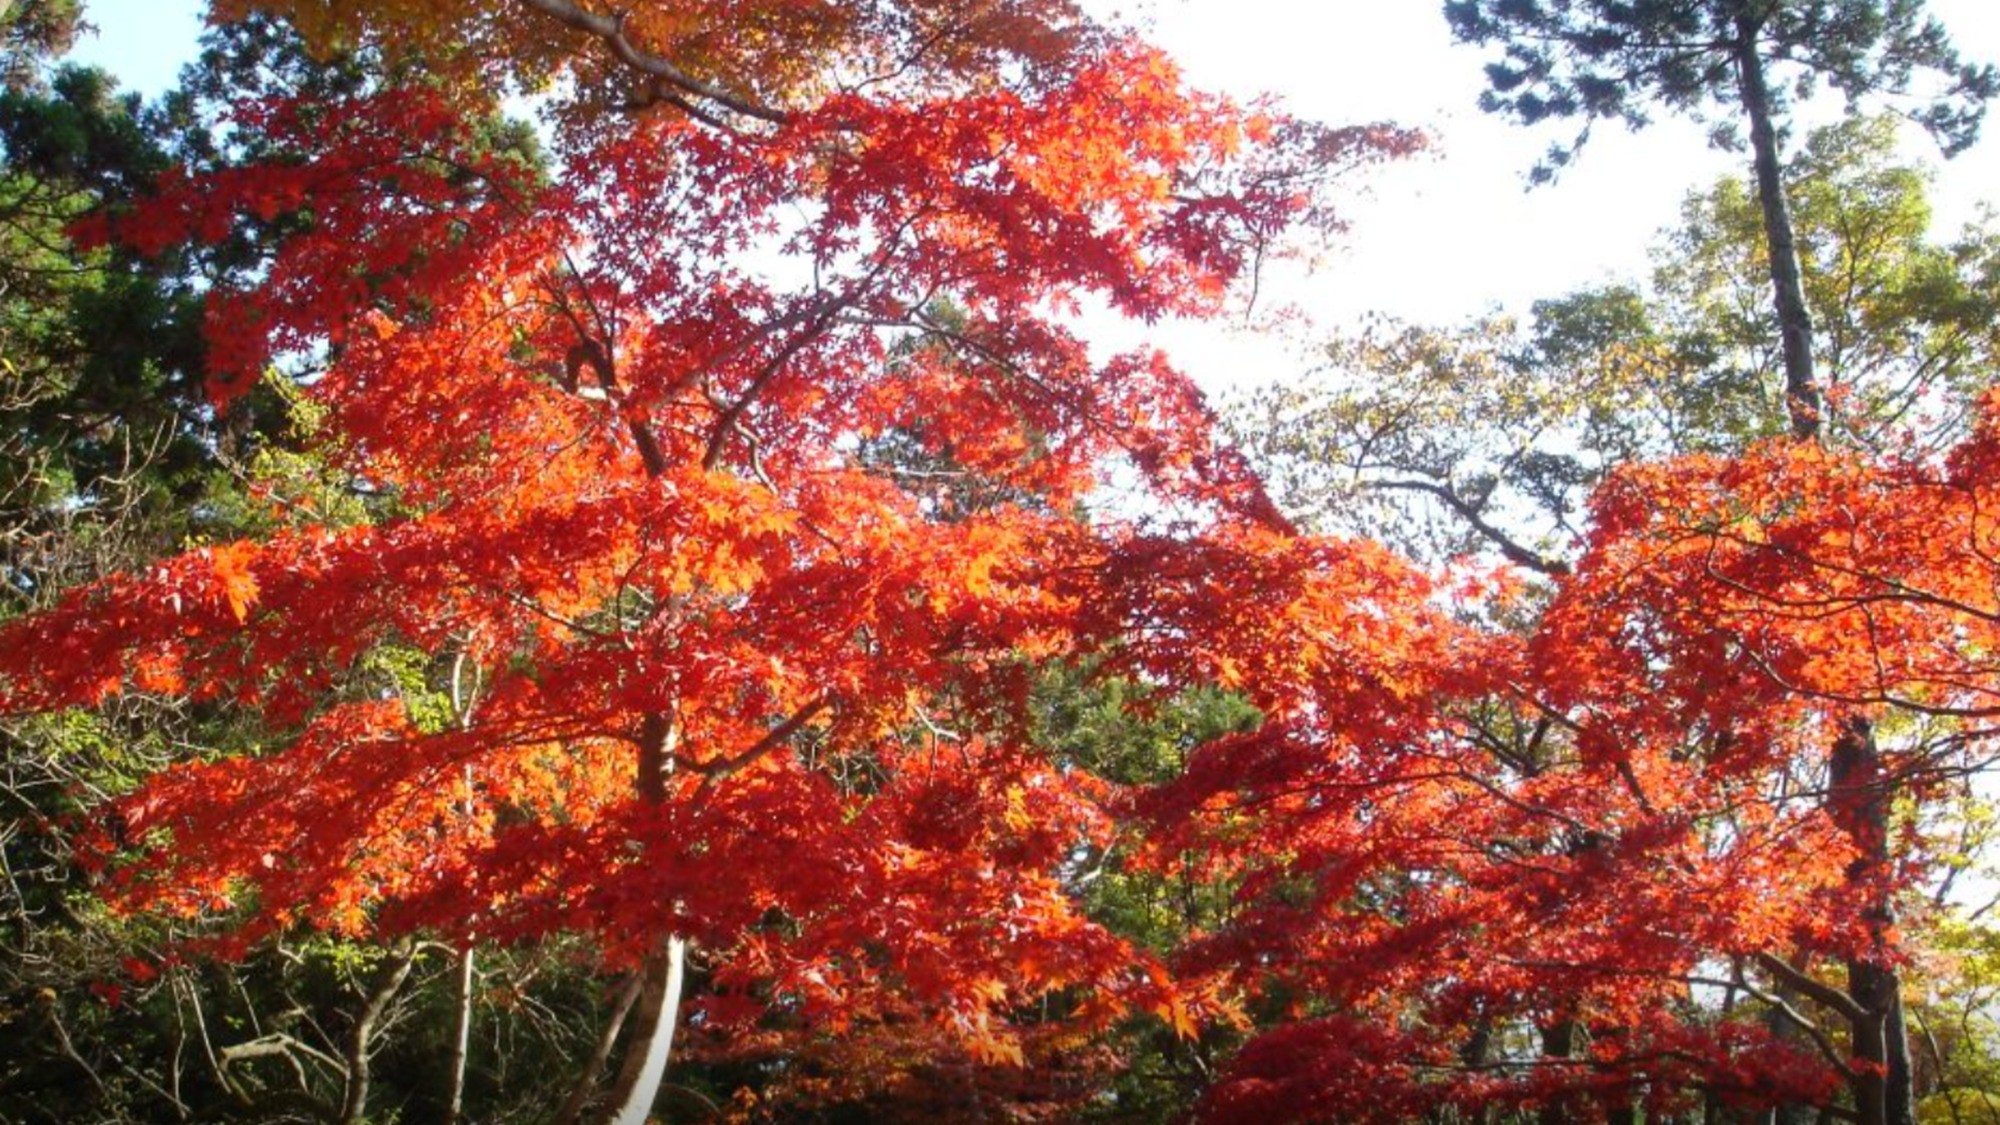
(727,767)
(1515,552)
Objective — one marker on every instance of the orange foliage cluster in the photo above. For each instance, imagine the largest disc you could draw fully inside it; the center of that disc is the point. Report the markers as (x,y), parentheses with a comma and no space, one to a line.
(1645,837)
(636,489)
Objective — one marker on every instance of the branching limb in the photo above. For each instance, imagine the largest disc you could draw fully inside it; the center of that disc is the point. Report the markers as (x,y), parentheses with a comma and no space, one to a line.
(611,29)
(727,767)
(1801,982)
(67,1047)
(1793,1016)
(1513,550)
(388,981)
(593,1068)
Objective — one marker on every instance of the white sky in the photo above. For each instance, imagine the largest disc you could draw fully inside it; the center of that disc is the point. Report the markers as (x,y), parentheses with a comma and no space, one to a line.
(1452,235)
(1437,239)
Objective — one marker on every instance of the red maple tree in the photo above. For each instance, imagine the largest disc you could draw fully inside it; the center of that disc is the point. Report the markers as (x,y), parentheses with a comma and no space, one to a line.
(681,448)
(1655,850)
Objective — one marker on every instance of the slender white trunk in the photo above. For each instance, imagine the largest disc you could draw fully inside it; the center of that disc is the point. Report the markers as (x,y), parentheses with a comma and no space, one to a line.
(465,700)
(645,1066)
(375,1004)
(461,1046)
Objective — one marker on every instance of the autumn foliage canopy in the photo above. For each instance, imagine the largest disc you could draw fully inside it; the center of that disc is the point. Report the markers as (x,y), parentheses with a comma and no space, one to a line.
(748,467)
(682,446)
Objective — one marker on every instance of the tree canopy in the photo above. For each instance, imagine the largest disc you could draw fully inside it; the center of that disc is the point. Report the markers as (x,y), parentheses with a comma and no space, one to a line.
(661,613)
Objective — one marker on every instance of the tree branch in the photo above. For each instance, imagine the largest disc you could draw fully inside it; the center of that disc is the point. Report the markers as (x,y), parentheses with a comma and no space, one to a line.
(63,1042)
(275,1045)
(1792,1016)
(593,1069)
(611,29)
(1796,979)
(354,1101)
(1515,552)
(716,771)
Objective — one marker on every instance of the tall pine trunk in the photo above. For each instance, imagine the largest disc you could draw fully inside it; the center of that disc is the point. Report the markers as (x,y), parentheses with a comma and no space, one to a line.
(1803,401)
(1883,1095)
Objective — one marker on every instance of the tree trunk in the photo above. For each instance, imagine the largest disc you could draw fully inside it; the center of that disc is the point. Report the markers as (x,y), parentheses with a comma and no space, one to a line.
(461,1043)
(1782,1028)
(1900,1101)
(1871,1088)
(1803,402)
(1860,805)
(1711,1105)
(1558,1042)
(464,701)
(354,1099)
(1881,1039)
(1477,1053)
(638,1083)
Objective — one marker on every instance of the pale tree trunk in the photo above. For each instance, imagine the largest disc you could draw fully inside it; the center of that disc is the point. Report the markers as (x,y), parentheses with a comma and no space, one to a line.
(360,1040)
(579,1097)
(465,700)
(632,1094)
(461,1044)
(1803,401)
(638,1083)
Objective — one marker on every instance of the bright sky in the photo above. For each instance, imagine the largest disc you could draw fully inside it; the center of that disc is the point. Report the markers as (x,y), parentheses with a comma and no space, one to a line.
(1438,239)
(1443,237)
(1447,237)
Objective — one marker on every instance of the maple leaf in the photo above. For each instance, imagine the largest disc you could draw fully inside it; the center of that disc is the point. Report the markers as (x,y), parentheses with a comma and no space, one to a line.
(232,571)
